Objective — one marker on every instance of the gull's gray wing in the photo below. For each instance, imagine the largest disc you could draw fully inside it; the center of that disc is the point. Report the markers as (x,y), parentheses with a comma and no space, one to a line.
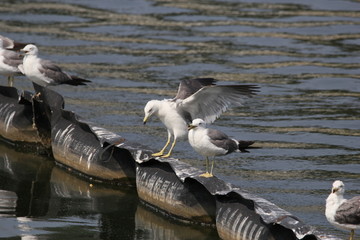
(11,44)
(221,140)
(188,87)
(12,58)
(210,101)
(349,212)
(54,72)
(7,42)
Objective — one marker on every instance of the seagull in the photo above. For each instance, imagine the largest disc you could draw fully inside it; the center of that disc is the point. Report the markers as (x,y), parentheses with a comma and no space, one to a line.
(340,212)
(9,62)
(45,72)
(11,44)
(196,98)
(211,142)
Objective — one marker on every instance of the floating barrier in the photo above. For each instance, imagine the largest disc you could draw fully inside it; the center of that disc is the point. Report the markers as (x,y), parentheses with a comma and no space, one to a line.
(176,188)
(16,120)
(167,185)
(158,185)
(90,150)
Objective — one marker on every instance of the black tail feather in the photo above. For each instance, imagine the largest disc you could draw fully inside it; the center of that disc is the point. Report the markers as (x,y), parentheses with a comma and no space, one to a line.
(243,145)
(75,81)
(18,46)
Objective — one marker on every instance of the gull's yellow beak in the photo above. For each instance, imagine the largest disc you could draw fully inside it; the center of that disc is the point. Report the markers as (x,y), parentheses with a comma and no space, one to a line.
(145,119)
(190,126)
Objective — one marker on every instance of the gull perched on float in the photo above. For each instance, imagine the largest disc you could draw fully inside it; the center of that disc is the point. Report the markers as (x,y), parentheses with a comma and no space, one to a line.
(44,72)
(9,62)
(340,212)
(196,98)
(211,143)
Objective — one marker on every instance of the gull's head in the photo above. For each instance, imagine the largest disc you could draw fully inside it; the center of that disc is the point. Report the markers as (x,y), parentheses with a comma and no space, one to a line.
(30,49)
(150,108)
(338,188)
(197,123)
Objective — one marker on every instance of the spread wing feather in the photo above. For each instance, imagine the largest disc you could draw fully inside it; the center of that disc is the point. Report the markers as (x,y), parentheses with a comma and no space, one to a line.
(210,102)
(190,86)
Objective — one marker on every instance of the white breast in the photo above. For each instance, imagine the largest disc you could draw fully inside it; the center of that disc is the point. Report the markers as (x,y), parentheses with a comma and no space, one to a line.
(200,141)
(173,121)
(331,207)
(31,66)
(332,204)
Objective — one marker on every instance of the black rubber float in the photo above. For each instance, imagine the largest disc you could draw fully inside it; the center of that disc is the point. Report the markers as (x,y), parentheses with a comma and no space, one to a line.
(16,120)
(167,185)
(80,145)
(159,186)
(176,188)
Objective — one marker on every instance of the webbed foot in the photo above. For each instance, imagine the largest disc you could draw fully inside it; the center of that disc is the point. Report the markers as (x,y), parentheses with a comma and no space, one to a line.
(206,175)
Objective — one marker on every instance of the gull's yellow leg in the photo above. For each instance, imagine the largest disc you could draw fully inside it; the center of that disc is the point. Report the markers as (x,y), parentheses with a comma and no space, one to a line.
(158,154)
(207,174)
(172,147)
(352,234)
(212,166)
(10,80)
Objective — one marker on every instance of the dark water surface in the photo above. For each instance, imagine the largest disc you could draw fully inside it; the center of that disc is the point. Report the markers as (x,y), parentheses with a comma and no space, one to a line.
(306,120)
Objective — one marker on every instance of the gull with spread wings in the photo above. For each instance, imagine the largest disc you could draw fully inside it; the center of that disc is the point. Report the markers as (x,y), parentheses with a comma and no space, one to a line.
(196,98)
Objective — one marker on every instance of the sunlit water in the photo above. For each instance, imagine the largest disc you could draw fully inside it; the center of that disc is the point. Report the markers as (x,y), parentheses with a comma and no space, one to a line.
(306,120)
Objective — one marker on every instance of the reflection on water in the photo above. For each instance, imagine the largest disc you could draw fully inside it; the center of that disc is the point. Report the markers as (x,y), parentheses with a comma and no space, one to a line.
(152,226)
(303,54)
(42,199)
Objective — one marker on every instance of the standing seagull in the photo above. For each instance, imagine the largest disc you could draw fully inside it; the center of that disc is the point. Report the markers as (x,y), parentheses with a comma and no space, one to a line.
(9,62)
(340,212)
(45,72)
(196,98)
(211,142)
